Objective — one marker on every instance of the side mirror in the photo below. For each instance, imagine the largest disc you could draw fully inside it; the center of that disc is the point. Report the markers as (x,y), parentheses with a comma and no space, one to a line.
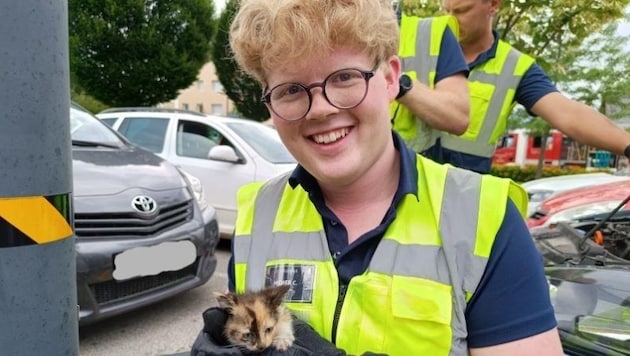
(224,153)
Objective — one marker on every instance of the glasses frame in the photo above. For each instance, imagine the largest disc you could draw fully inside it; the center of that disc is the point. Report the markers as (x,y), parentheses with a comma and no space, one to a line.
(366,74)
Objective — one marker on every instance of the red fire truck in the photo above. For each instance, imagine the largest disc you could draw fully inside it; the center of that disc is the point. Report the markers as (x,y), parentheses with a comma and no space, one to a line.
(518,147)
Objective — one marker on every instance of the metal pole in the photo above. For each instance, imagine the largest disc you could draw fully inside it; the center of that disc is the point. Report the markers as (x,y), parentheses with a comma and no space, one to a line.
(38,300)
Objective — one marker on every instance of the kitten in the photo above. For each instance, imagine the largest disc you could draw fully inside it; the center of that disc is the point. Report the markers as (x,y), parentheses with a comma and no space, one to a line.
(258,319)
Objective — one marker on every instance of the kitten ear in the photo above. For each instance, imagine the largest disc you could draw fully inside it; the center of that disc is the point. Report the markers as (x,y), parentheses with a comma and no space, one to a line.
(276,294)
(226,300)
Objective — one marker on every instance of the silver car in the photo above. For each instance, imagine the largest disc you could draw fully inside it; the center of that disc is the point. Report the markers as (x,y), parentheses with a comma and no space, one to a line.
(224,153)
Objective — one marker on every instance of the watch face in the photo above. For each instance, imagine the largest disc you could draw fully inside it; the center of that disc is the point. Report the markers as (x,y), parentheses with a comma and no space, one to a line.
(405,81)
(405,85)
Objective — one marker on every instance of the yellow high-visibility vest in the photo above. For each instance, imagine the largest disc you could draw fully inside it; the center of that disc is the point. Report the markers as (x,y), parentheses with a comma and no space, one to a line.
(412,297)
(492,87)
(419,48)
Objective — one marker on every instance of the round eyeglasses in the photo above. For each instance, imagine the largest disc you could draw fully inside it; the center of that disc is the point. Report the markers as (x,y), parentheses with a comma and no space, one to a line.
(343,89)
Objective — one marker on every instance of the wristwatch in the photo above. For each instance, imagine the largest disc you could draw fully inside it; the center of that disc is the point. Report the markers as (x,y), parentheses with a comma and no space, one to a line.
(406,83)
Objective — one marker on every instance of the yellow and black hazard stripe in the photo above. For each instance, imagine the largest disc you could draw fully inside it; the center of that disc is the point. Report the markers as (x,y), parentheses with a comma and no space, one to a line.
(35,220)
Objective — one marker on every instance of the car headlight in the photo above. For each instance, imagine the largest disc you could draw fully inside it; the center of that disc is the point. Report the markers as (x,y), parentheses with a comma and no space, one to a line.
(197,189)
(582,211)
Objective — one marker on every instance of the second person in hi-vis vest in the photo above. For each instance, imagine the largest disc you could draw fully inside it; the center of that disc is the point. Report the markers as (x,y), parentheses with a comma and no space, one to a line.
(433,94)
(501,76)
(384,250)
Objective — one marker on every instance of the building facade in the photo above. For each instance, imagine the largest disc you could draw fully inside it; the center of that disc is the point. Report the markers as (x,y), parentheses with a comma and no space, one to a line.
(204,95)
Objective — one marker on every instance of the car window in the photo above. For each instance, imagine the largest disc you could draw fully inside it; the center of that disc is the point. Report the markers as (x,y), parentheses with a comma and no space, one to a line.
(86,127)
(195,139)
(264,140)
(145,132)
(109,121)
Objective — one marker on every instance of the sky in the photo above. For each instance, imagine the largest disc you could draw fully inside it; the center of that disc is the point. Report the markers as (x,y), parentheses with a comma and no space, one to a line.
(218,6)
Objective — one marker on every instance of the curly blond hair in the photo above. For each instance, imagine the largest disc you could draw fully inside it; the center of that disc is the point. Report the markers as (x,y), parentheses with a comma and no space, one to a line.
(266,34)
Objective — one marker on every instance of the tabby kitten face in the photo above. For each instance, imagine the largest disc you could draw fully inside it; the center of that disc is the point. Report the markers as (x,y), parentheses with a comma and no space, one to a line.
(258,319)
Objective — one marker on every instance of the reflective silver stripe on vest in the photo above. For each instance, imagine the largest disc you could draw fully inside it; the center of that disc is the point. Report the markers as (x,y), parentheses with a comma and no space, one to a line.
(422,62)
(458,226)
(255,251)
(502,82)
(454,262)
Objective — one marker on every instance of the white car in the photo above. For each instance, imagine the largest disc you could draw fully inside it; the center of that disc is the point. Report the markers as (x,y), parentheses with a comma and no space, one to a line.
(224,153)
(542,188)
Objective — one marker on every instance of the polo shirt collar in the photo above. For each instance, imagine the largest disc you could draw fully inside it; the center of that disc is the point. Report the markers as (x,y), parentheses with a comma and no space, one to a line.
(487,55)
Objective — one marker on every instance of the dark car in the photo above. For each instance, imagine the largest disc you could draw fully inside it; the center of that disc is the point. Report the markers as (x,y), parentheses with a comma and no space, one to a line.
(144,231)
(588,269)
(592,306)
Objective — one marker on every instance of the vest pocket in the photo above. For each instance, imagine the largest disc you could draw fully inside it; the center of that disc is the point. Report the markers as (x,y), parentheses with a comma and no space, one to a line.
(480,96)
(421,299)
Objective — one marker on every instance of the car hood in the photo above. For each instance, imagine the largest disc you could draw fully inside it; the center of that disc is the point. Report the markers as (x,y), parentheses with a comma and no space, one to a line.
(585,195)
(562,183)
(107,171)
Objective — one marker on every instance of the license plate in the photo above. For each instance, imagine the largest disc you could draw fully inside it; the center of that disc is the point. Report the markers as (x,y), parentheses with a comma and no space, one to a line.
(152,260)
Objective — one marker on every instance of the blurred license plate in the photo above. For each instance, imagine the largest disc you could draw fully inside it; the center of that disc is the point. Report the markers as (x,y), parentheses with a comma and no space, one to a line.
(152,260)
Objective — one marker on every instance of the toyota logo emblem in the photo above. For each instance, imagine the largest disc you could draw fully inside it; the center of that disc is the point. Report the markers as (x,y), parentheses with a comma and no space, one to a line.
(144,204)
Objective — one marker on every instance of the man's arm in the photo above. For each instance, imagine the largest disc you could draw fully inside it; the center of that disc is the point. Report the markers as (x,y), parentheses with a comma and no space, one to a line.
(446,107)
(523,323)
(546,343)
(581,122)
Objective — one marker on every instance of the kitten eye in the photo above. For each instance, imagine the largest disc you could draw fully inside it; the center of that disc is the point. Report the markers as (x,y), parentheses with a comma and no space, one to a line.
(268,330)
(246,336)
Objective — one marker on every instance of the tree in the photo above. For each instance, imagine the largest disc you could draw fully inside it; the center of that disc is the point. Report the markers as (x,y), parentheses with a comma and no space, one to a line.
(138,52)
(241,88)
(595,75)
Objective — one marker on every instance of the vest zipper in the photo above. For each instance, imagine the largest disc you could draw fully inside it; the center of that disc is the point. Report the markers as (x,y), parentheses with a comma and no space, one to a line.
(343,288)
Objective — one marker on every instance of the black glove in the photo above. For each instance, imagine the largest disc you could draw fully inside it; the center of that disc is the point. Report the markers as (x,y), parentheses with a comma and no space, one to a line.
(306,337)
(211,341)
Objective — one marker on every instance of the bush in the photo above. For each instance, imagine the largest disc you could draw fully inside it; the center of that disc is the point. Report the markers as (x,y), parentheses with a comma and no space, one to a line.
(527,173)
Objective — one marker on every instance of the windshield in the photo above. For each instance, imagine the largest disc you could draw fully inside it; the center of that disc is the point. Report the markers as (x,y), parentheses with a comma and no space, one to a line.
(84,127)
(594,302)
(264,140)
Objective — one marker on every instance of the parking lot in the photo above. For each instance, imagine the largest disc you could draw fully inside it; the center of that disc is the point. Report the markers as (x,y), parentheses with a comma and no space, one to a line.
(164,328)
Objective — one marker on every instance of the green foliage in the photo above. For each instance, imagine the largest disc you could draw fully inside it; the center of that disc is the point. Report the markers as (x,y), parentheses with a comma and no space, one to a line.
(422,8)
(138,52)
(527,173)
(87,101)
(542,28)
(595,72)
(242,89)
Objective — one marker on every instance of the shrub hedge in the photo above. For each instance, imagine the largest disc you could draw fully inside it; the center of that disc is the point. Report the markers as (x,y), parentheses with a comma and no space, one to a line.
(527,173)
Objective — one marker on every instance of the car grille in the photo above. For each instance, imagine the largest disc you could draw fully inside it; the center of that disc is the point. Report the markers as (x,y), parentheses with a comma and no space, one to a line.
(126,224)
(114,290)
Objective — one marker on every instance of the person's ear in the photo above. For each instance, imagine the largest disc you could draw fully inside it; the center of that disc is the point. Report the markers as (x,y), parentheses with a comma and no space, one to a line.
(393,70)
(495,6)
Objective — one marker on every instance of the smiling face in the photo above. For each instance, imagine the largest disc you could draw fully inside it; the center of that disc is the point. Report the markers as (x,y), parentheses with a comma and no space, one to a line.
(474,17)
(339,146)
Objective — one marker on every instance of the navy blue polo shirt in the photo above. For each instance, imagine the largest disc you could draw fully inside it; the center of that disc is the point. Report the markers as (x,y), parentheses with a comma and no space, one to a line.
(451,60)
(512,300)
(534,85)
